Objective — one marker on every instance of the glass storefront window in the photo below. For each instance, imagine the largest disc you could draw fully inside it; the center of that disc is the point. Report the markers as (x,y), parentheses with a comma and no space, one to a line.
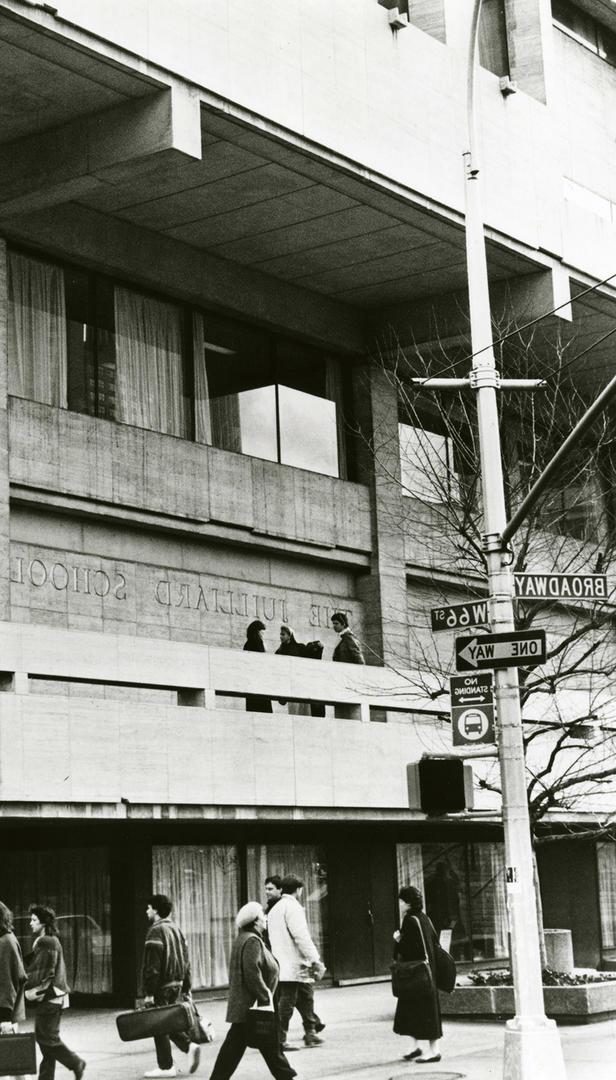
(76,884)
(308,863)
(203,883)
(464,893)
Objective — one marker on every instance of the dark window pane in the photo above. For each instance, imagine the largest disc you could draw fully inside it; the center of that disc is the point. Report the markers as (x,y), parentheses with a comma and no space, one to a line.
(81,374)
(493,53)
(576,22)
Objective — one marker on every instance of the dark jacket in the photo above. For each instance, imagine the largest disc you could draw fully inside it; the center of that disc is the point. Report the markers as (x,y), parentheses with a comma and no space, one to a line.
(252,972)
(418,1016)
(12,979)
(347,650)
(256,702)
(46,970)
(165,960)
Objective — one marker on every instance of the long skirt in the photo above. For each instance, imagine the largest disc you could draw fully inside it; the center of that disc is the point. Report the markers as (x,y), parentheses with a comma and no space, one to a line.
(419,1015)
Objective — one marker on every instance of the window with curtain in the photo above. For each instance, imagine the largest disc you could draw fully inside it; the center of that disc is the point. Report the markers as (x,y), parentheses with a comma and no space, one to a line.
(606,870)
(308,863)
(76,884)
(464,892)
(37,339)
(203,883)
(150,389)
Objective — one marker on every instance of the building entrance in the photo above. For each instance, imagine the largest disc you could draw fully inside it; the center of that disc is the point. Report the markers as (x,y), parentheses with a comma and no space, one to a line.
(362,876)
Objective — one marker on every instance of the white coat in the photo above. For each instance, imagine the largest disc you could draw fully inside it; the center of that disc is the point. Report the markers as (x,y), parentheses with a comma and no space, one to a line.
(290,940)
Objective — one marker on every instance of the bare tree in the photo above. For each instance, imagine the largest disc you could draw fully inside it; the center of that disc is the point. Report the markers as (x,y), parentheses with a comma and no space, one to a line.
(569,722)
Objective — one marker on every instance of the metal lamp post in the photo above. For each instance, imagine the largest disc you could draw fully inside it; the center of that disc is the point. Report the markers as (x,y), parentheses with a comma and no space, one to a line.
(532,1043)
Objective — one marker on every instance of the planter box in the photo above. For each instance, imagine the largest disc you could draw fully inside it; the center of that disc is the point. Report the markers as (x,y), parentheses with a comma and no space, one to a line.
(567,1004)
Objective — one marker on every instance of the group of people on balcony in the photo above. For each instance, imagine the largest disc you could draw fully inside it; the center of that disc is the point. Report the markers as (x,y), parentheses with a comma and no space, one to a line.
(347,651)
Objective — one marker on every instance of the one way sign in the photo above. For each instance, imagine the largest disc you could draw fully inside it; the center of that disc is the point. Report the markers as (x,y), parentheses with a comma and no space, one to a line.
(523,649)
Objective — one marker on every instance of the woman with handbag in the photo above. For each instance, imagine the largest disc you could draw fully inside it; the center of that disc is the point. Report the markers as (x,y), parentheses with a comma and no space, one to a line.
(12,976)
(418,1012)
(47,989)
(253,978)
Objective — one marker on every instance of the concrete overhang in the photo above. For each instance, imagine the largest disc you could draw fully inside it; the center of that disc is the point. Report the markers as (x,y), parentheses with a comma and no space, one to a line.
(90,129)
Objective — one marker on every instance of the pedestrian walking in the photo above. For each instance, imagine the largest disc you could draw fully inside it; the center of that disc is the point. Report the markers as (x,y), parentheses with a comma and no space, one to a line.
(12,975)
(165,979)
(418,1015)
(48,990)
(254,643)
(299,960)
(253,977)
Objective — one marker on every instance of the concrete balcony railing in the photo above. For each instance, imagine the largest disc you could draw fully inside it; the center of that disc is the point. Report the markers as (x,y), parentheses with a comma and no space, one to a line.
(89,718)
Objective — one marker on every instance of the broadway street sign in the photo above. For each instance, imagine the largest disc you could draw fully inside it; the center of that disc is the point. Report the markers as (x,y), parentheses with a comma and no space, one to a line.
(561,586)
(514,649)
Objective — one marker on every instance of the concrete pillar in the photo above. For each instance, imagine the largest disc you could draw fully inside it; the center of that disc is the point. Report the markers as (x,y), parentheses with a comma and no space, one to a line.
(429,16)
(4,441)
(383,590)
(529,41)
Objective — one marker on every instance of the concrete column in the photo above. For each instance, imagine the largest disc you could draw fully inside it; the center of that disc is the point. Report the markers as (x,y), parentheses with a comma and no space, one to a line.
(4,441)
(429,16)
(383,590)
(529,42)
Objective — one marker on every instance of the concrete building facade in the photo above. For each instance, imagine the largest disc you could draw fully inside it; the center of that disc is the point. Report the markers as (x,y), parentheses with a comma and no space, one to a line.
(213,218)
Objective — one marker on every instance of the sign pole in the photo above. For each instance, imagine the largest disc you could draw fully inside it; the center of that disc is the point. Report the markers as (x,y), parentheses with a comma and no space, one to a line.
(532,1044)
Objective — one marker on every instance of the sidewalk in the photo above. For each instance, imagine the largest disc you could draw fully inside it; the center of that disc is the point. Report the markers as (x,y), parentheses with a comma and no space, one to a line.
(359,1045)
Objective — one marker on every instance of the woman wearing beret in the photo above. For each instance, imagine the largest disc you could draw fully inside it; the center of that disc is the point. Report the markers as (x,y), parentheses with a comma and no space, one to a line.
(253,977)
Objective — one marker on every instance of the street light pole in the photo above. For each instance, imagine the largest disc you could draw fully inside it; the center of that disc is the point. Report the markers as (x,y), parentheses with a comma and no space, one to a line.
(532,1044)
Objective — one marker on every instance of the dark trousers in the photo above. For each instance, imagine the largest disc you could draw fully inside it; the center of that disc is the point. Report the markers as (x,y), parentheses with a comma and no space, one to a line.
(47,1032)
(300,996)
(164,1057)
(232,1052)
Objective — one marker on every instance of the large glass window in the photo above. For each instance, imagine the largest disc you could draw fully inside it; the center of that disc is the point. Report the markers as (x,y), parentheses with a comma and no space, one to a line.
(308,863)
(76,884)
(81,341)
(464,893)
(204,884)
(427,469)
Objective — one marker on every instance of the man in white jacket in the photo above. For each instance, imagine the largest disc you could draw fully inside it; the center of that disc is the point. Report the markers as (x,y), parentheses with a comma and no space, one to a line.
(300,963)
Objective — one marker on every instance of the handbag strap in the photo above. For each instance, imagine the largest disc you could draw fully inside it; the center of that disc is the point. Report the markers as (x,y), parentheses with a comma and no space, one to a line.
(423,940)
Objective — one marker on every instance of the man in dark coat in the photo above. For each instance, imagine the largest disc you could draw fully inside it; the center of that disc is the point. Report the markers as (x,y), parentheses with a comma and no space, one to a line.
(347,650)
(165,978)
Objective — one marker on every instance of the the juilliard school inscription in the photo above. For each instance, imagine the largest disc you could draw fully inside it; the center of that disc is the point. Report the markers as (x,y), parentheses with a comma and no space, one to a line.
(196,595)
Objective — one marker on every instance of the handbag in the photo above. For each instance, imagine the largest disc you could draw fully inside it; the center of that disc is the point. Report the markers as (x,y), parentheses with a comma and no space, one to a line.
(146,1023)
(412,976)
(17,1054)
(445,968)
(262,1026)
(200,1030)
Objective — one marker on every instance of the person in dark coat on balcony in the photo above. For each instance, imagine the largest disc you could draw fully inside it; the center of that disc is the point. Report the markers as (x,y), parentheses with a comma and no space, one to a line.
(348,649)
(47,989)
(254,643)
(12,975)
(253,977)
(417,1015)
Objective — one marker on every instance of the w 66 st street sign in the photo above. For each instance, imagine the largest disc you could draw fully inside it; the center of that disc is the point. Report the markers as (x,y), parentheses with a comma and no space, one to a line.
(527,647)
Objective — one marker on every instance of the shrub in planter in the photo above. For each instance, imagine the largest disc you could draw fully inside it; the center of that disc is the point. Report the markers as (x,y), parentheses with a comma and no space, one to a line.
(549,978)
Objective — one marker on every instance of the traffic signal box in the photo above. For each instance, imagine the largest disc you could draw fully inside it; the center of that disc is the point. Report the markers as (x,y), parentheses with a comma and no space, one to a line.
(440,785)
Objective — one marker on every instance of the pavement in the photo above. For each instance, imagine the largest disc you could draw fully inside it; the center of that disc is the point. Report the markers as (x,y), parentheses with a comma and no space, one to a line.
(359,1045)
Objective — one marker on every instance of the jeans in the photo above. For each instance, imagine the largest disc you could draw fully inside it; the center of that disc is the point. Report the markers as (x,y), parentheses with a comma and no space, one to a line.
(232,1052)
(164,1057)
(47,1032)
(300,996)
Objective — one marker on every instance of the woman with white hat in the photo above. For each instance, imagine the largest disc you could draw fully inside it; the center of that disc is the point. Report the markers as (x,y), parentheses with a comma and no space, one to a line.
(253,977)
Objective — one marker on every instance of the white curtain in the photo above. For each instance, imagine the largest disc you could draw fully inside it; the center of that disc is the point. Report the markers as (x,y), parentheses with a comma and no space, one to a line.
(37,330)
(488,902)
(203,420)
(606,866)
(149,365)
(334,390)
(203,883)
(307,862)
